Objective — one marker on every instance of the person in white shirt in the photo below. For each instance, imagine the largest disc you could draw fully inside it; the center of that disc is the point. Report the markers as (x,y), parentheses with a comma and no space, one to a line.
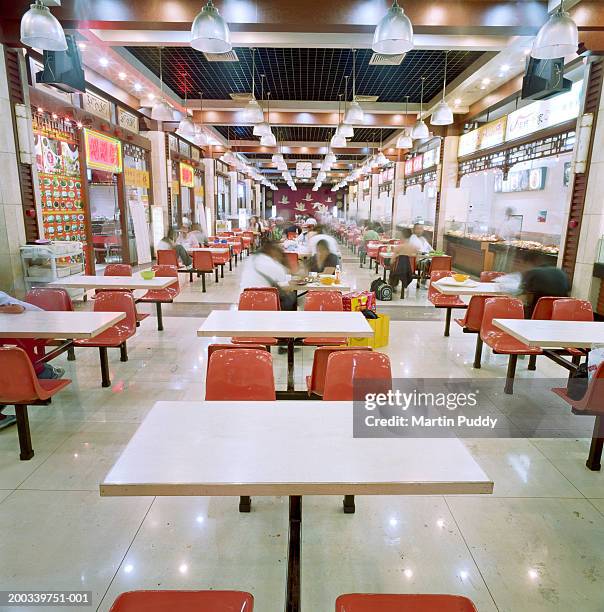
(169,243)
(265,268)
(198,234)
(317,236)
(417,240)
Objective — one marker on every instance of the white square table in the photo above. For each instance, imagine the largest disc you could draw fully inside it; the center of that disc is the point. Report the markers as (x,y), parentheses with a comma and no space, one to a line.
(475,289)
(230,448)
(136,281)
(285,324)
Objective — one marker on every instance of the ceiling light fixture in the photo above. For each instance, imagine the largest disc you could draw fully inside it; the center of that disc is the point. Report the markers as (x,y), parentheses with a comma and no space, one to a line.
(253,111)
(558,37)
(404,140)
(41,29)
(338,140)
(355,114)
(104,62)
(394,33)
(186,127)
(420,129)
(200,138)
(161,111)
(443,115)
(262,128)
(210,32)
(268,139)
(121,76)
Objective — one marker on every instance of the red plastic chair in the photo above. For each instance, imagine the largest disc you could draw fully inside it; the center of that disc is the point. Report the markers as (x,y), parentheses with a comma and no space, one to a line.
(117,335)
(382,260)
(472,322)
(371,248)
(440,300)
(325,301)
(572,309)
(590,405)
(118,269)
(543,308)
(488,276)
(49,298)
(203,264)
(343,368)
(167,257)
(20,387)
(315,383)
(291,235)
(272,290)
(217,347)
(162,296)
(236,245)
(184,601)
(292,262)
(504,307)
(257,299)
(365,602)
(244,374)
(439,263)
(220,259)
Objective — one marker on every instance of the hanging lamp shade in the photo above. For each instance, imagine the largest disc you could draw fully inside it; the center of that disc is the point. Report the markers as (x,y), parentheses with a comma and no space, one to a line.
(354,114)
(558,37)
(277,158)
(200,138)
(394,33)
(381,159)
(420,130)
(162,112)
(262,129)
(331,157)
(404,140)
(186,127)
(268,140)
(210,32)
(338,141)
(442,115)
(41,29)
(346,130)
(252,113)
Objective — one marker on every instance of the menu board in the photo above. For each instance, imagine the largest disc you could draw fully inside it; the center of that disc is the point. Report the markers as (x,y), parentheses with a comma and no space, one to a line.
(489,135)
(60,182)
(521,180)
(408,167)
(431,158)
(418,163)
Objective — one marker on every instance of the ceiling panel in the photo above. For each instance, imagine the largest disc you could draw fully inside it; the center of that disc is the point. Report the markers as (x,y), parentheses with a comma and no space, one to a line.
(303,134)
(304,74)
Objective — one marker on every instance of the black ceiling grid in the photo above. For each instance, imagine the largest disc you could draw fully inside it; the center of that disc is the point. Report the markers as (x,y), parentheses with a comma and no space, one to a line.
(305,74)
(305,134)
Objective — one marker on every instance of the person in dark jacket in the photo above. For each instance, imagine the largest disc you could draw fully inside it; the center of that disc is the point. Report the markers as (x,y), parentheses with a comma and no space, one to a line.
(543,281)
(323,258)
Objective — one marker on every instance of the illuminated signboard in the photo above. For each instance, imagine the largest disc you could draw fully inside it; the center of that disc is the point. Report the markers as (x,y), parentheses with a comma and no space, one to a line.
(187,175)
(408,167)
(418,163)
(102,152)
(431,158)
(489,135)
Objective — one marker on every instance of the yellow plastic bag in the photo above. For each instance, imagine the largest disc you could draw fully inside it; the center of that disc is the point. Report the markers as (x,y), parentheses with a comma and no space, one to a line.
(381,335)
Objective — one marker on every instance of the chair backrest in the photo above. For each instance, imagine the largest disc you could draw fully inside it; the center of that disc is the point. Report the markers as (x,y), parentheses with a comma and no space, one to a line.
(118,301)
(572,309)
(543,308)
(241,374)
(49,298)
(369,602)
(292,261)
(488,276)
(163,270)
(475,312)
(118,269)
(18,380)
(319,364)
(167,257)
(218,347)
(500,307)
(344,368)
(436,276)
(291,235)
(253,299)
(440,262)
(324,300)
(202,260)
(183,601)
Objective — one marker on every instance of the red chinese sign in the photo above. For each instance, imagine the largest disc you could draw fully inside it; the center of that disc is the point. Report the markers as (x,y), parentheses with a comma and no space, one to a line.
(187,175)
(103,152)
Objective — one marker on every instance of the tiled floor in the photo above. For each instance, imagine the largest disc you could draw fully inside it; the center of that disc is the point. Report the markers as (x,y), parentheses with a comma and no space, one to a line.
(536,544)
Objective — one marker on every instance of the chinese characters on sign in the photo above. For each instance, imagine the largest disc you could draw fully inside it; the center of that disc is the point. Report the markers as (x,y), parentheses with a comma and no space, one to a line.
(102,152)
(187,175)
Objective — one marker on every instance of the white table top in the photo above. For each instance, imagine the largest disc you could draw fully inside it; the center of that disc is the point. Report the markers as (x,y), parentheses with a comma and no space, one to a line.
(478,289)
(285,324)
(52,324)
(282,448)
(210,249)
(113,282)
(312,286)
(553,334)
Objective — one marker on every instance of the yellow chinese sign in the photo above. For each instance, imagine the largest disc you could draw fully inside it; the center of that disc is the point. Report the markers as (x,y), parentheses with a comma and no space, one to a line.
(187,175)
(136,178)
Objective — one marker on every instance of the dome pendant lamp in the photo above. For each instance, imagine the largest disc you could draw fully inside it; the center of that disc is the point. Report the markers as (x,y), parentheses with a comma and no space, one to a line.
(161,111)
(186,128)
(558,37)
(253,112)
(443,115)
(262,128)
(354,115)
(420,129)
(210,32)
(404,140)
(201,137)
(394,33)
(41,29)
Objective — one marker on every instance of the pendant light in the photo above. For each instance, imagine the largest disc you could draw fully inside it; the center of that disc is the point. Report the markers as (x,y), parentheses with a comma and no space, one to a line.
(200,137)
(210,32)
(268,139)
(262,128)
(41,29)
(161,111)
(253,111)
(420,129)
(404,140)
(558,37)
(186,128)
(443,115)
(345,129)
(394,33)
(354,115)
(337,140)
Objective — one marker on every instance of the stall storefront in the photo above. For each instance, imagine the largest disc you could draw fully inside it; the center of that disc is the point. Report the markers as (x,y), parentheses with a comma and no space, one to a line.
(222,189)
(514,174)
(186,188)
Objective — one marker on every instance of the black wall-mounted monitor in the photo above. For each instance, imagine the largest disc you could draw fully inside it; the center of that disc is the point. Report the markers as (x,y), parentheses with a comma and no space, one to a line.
(544,79)
(63,69)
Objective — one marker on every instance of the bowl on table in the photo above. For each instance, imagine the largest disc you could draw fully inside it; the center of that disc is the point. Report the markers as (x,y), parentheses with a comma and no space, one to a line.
(148,274)
(461,278)
(327,280)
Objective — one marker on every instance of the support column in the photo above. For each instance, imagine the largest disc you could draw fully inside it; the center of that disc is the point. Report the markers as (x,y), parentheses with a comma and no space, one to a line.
(448,185)
(398,193)
(210,194)
(159,218)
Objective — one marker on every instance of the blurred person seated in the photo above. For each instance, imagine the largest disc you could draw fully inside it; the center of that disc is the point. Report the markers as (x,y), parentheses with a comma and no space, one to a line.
(169,243)
(319,234)
(370,233)
(542,281)
(418,241)
(198,235)
(34,348)
(323,260)
(400,267)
